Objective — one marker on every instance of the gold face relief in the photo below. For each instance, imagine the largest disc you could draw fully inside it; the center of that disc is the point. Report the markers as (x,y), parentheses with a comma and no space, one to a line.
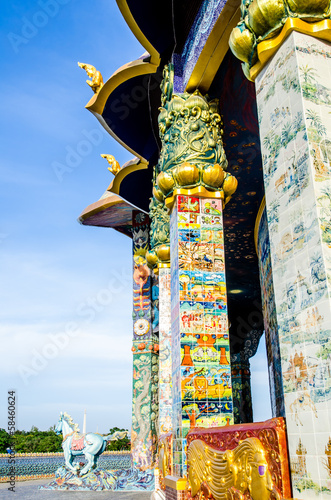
(260,481)
(230,473)
(164,456)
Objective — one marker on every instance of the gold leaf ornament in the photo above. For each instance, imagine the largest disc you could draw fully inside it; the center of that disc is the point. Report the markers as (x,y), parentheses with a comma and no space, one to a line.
(163,253)
(213,175)
(151,258)
(165,182)
(264,15)
(229,185)
(187,174)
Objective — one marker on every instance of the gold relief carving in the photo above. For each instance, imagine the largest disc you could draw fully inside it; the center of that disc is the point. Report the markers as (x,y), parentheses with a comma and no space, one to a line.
(309,8)
(265,15)
(266,20)
(115,167)
(192,154)
(165,458)
(167,84)
(96,81)
(241,473)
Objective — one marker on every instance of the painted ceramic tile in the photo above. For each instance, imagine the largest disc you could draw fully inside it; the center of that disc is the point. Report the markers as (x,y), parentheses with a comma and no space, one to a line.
(207,235)
(165,361)
(191,317)
(211,221)
(294,93)
(185,225)
(188,204)
(189,235)
(200,348)
(211,207)
(189,218)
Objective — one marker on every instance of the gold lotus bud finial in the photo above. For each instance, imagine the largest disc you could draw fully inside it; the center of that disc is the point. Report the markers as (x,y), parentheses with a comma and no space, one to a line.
(114,165)
(272,21)
(96,81)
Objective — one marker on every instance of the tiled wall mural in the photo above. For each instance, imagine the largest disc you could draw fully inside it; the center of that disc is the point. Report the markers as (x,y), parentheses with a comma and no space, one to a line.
(44,465)
(202,395)
(294,104)
(201,29)
(270,318)
(165,365)
(145,351)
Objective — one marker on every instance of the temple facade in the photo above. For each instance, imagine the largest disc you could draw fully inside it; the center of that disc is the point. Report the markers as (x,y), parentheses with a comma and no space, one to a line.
(227,200)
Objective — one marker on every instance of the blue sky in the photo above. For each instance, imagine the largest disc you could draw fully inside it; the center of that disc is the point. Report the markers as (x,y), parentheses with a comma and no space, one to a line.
(66,297)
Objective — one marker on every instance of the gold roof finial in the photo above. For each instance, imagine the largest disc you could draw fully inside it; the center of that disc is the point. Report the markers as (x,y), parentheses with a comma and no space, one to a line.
(96,81)
(114,165)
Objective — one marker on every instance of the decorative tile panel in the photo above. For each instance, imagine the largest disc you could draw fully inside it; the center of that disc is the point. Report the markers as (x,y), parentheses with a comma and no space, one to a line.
(294,103)
(270,318)
(145,351)
(202,391)
(165,363)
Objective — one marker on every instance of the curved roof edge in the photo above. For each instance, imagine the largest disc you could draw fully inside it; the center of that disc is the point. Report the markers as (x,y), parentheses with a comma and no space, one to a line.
(130,70)
(110,211)
(129,167)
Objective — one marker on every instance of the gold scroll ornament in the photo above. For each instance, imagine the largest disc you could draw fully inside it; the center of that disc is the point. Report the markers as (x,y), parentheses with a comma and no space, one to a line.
(238,474)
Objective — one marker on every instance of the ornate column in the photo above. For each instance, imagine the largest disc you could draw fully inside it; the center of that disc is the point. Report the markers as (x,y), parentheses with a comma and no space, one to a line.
(192,181)
(285,47)
(145,352)
(158,258)
(262,243)
(241,378)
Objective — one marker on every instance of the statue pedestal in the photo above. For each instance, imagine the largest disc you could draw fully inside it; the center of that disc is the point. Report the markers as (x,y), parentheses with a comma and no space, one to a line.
(99,479)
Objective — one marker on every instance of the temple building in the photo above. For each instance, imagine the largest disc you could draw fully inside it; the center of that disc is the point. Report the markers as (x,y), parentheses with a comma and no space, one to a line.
(227,200)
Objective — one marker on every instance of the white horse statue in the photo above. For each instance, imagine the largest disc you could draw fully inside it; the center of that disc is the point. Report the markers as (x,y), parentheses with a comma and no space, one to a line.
(90,445)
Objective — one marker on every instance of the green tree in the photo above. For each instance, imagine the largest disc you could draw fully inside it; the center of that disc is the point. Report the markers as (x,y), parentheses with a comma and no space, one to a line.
(287,134)
(36,441)
(120,444)
(316,124)
(5,441)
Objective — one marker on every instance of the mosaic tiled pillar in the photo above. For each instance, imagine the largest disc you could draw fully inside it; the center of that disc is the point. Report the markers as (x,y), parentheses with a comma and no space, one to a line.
(145,352)
(201,374)
(294,104)
(241,377)
(241,390)
(269,315)
(165,365)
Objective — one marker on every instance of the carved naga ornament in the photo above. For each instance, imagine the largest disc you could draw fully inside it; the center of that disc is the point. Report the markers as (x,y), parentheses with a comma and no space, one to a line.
(96,81)
(263,20)
(192,158)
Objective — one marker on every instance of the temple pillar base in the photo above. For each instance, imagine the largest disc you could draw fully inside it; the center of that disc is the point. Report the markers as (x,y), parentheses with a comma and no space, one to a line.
(175,488)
